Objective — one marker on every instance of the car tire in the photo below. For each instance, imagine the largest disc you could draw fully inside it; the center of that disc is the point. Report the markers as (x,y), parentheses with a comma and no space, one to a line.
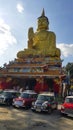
(33,110)
(63,114)
(56,107)
(49,110)
(8,104)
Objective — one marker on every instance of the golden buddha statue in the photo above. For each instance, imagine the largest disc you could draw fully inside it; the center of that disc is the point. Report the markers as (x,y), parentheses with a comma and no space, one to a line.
(42,42)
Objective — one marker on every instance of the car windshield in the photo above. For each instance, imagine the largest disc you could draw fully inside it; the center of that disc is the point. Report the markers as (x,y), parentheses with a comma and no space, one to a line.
(43,97)
(69,100)
(24,95)
(6,93)
(10,94)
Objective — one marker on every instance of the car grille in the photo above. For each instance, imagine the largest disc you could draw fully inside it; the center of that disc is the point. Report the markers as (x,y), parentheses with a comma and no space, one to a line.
(38,106)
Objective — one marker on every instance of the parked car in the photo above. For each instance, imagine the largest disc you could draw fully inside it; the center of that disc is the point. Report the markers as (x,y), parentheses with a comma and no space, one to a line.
(45,102)
(25,99)
(6,97)
(67,106)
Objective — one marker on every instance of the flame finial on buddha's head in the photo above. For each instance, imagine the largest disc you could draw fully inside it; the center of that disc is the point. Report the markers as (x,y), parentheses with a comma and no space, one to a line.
(43,13)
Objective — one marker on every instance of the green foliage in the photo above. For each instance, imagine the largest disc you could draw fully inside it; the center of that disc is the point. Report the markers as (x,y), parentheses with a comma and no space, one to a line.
(69,68)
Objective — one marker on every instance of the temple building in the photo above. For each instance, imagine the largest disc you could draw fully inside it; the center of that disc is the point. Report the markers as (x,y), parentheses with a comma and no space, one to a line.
(39,66)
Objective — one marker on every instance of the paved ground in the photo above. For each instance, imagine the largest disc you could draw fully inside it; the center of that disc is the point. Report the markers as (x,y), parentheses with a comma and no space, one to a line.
(20,119)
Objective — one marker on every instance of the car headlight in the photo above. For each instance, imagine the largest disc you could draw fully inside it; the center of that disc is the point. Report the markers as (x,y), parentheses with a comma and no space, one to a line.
(13,100)
(33,103)
(4,99)
(62,107)
(23,101)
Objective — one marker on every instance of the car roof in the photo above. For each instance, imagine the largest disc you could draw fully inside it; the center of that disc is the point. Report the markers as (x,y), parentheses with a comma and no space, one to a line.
(29,92)
(10,90)
(69,96)
(47,94)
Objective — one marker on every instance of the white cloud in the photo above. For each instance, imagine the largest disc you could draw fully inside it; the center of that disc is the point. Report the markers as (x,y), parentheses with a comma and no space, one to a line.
(6,37)
(20,8)
(66,49)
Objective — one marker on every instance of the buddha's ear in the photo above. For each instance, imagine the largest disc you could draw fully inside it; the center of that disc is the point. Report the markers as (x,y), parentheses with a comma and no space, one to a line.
(30,33)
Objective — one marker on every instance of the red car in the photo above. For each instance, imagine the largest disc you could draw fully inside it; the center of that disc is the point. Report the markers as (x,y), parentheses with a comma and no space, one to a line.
(67,106)
(25,99)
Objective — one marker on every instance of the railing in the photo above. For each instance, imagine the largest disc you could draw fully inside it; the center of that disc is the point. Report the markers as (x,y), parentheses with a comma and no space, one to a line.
(24,74)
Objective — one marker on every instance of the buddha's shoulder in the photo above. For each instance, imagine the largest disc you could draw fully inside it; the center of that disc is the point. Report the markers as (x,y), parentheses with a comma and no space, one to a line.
(45,32)
(51,33)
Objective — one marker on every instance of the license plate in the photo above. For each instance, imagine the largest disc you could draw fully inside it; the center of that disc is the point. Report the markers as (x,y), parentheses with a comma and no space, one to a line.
(17,106)
(38,110)
(18,103)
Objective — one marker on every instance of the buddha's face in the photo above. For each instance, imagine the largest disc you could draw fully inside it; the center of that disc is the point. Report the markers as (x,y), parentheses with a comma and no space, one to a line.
(42,23)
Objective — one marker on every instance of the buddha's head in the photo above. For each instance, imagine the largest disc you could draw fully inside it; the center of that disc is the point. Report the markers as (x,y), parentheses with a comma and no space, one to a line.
(43,22)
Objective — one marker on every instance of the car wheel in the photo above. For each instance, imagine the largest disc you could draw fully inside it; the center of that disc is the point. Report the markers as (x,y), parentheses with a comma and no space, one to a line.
(63,114)
(56,107)
(33,110)
(27,107)
(49,110)
(8,103)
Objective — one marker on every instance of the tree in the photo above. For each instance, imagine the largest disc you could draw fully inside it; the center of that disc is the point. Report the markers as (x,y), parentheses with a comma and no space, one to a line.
(69,69)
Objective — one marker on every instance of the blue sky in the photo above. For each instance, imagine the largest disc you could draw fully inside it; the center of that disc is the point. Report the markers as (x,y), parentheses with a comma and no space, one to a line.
(16,16)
